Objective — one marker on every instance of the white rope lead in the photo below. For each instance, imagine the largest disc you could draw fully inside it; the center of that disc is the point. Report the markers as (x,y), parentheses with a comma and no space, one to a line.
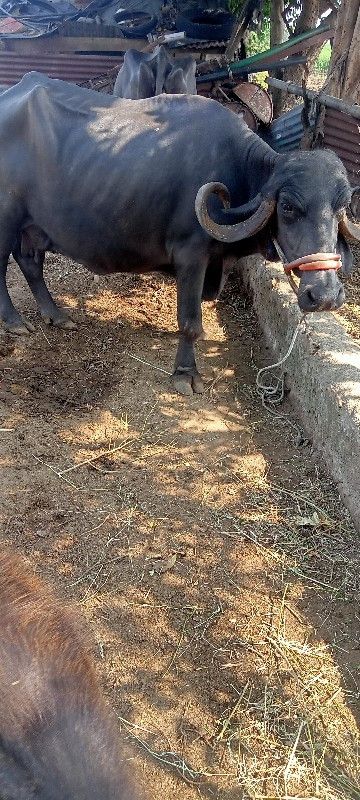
(272,393)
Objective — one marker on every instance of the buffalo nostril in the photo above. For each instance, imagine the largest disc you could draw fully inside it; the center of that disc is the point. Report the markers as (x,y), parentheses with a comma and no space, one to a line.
(307,300)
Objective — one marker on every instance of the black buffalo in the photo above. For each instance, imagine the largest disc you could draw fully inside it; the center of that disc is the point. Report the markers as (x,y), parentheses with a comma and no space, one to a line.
(112,183)
(149,74)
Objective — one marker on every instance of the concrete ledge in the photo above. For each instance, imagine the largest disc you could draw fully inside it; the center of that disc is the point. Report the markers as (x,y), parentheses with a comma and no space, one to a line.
(323,374)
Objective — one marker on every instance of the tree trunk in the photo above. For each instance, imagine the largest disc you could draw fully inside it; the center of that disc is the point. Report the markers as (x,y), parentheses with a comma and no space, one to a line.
(277,26)
(277,31)
(307,20)
(344,66)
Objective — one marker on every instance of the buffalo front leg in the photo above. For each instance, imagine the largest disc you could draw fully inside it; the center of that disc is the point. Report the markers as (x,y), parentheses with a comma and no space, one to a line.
(11,319)
(32,269)
(9,221)
(186,378)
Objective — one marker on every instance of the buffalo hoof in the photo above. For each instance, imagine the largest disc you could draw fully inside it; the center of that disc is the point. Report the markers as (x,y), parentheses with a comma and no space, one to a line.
(188,384)
(20,326)
(60,320)
(197,384)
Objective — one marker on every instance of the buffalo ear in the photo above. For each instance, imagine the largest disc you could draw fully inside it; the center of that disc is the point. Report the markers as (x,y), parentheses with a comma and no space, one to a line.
(175,82)
(346,255)
(146,81)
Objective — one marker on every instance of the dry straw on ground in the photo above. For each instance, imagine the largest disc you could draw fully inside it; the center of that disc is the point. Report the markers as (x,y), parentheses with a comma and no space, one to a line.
(210,554)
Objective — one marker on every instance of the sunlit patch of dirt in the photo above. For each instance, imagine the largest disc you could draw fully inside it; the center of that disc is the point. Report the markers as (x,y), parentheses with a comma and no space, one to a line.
(211,557)
(349,314)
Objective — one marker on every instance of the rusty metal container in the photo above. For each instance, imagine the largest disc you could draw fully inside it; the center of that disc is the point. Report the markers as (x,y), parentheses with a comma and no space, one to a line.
(256,99)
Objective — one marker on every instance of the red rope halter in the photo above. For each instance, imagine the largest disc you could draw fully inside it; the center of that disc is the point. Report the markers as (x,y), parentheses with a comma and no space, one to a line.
(315,261)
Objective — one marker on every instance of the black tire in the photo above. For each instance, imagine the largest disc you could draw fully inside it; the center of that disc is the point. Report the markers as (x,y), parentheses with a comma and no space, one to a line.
(135,24)
(204,24)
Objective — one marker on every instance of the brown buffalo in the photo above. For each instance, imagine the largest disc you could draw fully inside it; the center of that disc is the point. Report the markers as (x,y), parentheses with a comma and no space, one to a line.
(58,740)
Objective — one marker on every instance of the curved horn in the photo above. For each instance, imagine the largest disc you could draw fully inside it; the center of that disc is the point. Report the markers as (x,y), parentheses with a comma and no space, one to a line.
(238,231)
(348,228)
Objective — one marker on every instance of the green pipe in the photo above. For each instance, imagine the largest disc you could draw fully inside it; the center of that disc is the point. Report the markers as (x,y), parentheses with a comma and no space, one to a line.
(279,48)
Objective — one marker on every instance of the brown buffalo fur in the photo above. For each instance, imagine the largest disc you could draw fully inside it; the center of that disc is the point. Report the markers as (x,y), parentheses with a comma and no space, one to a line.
(57,738)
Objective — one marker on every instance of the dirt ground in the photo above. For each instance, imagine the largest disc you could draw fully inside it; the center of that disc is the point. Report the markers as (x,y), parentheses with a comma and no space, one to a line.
(349,314)
(210,555)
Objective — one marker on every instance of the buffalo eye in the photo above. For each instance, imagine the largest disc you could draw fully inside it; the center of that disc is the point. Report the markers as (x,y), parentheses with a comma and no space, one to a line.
(287,208)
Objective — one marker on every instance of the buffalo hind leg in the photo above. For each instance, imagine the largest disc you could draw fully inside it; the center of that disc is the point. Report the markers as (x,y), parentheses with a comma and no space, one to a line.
(190,282)
(32,270)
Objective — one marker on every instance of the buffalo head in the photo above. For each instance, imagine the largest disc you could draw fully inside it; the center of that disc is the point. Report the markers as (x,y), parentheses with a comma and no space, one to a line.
(303,206)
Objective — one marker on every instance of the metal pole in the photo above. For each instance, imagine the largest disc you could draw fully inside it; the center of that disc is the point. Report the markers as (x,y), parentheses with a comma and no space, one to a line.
(324,99)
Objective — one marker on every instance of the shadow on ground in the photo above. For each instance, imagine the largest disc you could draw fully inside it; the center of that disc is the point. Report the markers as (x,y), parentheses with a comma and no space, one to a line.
(211,557)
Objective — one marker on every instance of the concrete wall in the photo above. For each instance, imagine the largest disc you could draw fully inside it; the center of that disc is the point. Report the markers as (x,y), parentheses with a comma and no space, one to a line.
(323,374)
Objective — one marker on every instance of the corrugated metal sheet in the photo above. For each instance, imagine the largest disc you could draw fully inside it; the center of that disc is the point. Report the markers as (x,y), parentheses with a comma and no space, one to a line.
(286,132)
(342,134)
(74,68)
